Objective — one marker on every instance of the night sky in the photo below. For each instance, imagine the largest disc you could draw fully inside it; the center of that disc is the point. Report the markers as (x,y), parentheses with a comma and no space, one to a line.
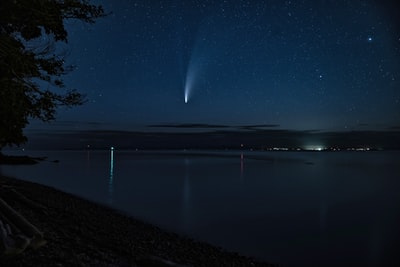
(289,65)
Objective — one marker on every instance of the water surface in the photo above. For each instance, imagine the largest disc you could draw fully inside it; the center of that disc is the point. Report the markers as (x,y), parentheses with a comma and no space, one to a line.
(293,208)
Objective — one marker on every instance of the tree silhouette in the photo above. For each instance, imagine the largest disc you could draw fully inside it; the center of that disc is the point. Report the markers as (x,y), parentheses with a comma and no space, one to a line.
(29,32)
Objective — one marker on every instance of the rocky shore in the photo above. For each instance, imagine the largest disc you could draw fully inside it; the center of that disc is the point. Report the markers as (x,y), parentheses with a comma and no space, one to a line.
(82,233)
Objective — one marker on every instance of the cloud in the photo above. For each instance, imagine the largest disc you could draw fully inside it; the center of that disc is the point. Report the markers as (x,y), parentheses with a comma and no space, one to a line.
(257,126)
(188,125)
(213,126)
(396,127)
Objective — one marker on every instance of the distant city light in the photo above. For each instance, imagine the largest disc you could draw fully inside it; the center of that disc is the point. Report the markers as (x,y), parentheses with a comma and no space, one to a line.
(314,147)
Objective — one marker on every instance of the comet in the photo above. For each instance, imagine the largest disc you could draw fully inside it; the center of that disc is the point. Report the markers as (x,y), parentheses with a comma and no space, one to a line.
(198,63)
(186,92)
(188,84)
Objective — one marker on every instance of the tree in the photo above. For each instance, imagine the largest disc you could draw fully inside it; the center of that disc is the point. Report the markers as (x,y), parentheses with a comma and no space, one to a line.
(29,32)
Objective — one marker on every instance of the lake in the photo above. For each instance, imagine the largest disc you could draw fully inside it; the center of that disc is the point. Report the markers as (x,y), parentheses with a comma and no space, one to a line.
(293,208)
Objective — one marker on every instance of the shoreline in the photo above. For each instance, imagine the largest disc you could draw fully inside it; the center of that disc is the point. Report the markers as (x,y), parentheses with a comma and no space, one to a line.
(84,233)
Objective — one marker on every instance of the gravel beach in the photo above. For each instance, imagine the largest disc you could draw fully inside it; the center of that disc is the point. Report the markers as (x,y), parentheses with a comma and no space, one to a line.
(82,233)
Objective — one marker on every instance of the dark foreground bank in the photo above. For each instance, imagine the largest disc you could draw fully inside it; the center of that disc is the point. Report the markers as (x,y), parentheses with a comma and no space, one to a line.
(81,233)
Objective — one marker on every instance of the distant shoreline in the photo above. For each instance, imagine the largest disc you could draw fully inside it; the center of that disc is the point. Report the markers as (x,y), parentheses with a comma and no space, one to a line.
(178,137)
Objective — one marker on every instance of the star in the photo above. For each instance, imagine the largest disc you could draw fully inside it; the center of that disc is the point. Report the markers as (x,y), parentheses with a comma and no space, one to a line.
(166,49)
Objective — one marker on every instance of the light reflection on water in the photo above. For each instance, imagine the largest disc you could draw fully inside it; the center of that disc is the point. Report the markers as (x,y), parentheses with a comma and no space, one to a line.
(186,197)
(111,181)
(292,208)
